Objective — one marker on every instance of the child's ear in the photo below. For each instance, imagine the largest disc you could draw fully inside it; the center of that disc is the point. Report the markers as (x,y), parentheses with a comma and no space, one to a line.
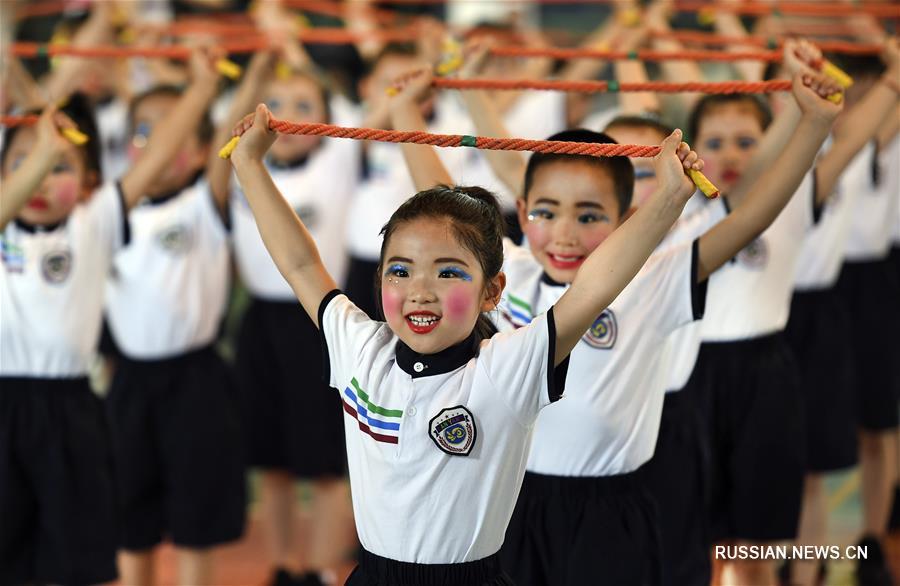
(522,211)
(91,181)
(493,292)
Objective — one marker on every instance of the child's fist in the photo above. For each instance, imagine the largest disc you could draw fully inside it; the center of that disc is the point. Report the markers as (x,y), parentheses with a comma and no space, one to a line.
(801,56)
(412,87)
(203,65)
(811,90)
(49,138)
(890,54)
(255,135)
(672,163)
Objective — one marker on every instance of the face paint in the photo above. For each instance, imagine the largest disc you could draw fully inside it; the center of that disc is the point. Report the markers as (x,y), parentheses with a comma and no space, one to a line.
(459,302)
(66,192)
(391,302)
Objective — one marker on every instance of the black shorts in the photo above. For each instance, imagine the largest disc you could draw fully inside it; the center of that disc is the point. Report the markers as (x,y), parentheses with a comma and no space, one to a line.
(816,332)
(57,503)
(870,291)
(749,394)
(178,443)
(360,289)
(895,259)
(374,570)
(571,531)
(678,479)
(294,420)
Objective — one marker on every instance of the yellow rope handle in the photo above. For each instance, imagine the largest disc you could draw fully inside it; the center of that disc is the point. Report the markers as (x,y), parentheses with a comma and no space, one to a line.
(75,136)
(703,184)
(835,73)
(225,151)
(229,69)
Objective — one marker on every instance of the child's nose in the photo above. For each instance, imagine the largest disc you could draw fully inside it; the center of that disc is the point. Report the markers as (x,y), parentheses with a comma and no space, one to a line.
(564,232)
(421,291)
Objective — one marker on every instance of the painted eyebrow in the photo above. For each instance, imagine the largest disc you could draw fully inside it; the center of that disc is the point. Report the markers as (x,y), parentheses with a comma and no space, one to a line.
(400,259)
(451,260)
(581,204)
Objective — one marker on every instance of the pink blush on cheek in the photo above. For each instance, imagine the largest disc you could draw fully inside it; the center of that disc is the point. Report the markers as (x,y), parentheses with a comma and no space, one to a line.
(459,302)
(66,192)
(391,304)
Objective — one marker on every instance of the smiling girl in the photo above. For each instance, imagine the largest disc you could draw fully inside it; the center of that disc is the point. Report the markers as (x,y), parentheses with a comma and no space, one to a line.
(438,417)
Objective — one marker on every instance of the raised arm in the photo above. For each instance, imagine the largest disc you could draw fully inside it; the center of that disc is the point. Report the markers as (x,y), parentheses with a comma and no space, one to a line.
(249,93)
(634,71)
(23,90)
(97,30)
(861,124)
(657,18)
(425,167)
(728,23)
(612,265)
(288,241)
(28,176)
(774,188)
(508,166)
(167,138)
(796,55)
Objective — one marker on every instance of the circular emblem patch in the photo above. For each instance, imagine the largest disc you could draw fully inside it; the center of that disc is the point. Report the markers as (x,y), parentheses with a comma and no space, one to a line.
(307,215)
(603,331)
(175,238)
(453,430)
(56,266)
(755,255)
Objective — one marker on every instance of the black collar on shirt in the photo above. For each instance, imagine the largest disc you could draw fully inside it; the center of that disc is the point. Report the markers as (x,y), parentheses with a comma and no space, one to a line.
(547,279)
(164,197)
(297,163)
(33,228)
(418,365)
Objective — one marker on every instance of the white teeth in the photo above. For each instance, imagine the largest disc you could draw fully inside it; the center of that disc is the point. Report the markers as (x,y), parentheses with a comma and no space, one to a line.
(567,258)
(421,320)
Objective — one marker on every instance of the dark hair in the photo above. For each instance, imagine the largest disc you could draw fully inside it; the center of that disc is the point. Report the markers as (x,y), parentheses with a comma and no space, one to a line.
(204,129)
(78,108)
(710,102)
(641,122)
(396,48)
(859,65)
(314,76)
(619,168)
(476,221)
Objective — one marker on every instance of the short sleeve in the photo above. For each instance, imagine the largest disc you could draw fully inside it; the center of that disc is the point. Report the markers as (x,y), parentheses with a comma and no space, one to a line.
(519,365)
(348,336)
(107,216)
(668,284)
(215,222)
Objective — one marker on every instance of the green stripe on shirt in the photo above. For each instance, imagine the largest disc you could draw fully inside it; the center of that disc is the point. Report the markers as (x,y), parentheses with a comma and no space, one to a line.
(372,406)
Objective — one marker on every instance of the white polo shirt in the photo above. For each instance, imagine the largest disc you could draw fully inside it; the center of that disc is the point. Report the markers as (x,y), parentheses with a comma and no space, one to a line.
(169,288)
(683,345)
(51,288)
(436,444)
(874,212)
(319,191)
(751,295)
(607,424)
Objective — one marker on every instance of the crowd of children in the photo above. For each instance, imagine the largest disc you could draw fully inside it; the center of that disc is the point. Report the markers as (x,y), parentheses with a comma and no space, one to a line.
(500,369)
